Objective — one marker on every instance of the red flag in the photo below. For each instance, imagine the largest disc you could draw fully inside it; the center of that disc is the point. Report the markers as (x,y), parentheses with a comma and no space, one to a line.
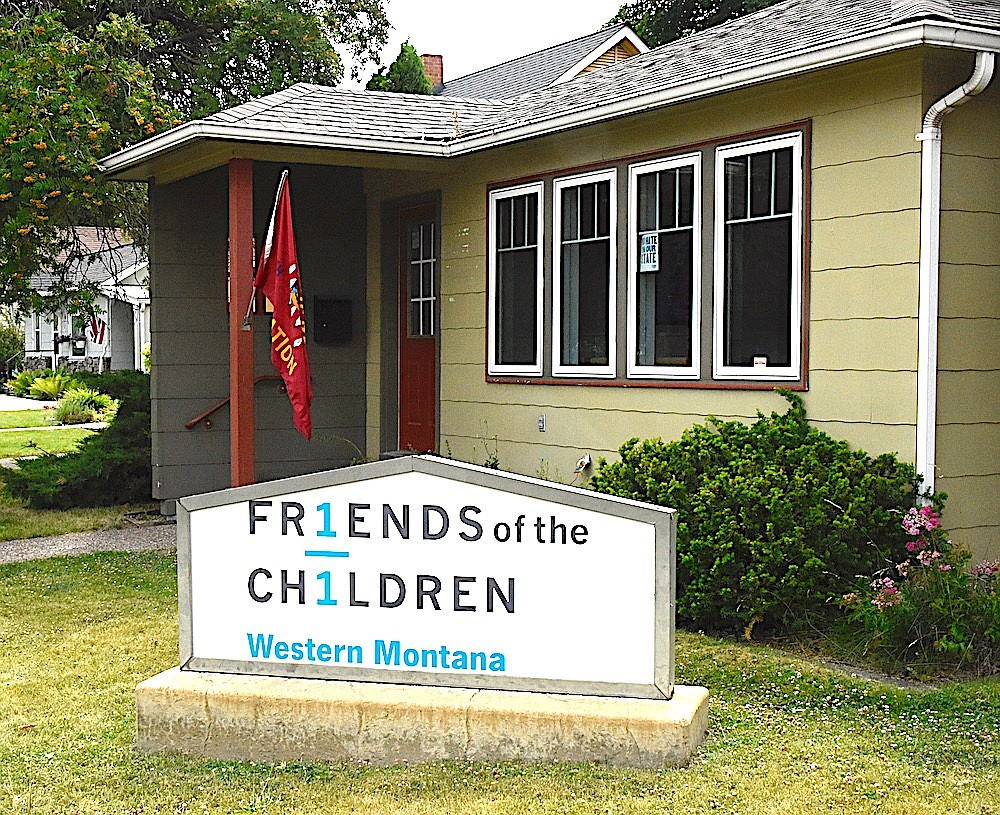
(97,327)
(278,277)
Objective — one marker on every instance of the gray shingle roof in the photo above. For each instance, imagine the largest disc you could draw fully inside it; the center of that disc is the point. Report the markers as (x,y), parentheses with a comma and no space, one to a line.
(528,73)
(94,256)
(366,115)
(759,46)
(771,34)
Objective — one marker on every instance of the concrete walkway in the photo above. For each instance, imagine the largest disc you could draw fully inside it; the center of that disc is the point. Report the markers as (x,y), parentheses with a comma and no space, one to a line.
(140,539)
(19,403)
(81,426)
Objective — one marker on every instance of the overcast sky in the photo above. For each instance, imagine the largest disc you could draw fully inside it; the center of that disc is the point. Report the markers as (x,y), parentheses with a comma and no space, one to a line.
(471,34)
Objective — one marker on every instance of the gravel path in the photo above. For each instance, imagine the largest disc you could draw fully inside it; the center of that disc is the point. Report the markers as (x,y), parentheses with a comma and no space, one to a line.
(140,539)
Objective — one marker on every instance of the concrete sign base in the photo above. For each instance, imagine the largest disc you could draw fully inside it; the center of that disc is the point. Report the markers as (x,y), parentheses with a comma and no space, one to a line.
(263,718)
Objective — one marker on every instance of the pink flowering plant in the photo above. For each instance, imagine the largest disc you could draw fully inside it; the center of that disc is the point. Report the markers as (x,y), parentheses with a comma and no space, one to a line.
(928,611)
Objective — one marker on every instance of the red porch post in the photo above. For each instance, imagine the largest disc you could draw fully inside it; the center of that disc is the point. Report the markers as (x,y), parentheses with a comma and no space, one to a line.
(241,363)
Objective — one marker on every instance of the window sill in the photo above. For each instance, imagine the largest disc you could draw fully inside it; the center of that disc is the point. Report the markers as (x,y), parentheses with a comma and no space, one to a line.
(688,384)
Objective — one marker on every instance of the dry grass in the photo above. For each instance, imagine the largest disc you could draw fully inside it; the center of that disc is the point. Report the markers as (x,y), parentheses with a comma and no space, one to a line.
(18,521)
(787,737)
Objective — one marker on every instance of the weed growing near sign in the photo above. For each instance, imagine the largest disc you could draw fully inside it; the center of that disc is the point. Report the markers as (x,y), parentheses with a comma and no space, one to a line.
(775,518)
(77,635)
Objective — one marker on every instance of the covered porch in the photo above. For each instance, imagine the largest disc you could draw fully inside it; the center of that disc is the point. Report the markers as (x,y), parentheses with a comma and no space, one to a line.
(220,414)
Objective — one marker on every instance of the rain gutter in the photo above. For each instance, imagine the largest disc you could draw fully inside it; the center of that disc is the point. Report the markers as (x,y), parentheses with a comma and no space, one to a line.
(930,256)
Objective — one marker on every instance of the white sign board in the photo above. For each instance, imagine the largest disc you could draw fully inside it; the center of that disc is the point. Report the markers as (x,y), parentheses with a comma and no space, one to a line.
(649,253)
(427,571)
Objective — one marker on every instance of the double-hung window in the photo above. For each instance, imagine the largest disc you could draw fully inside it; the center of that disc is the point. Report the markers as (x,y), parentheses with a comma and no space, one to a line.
(758,260)
(584,277)
(515,281)
(664,291)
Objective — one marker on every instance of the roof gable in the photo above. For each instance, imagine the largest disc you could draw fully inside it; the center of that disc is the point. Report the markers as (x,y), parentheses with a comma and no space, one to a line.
(540,69)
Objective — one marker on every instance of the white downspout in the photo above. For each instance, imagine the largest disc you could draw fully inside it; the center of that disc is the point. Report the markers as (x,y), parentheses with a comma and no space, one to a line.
(930,251)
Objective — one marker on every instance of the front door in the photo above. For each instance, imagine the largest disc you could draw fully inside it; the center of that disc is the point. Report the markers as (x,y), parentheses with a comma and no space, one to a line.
(418,315)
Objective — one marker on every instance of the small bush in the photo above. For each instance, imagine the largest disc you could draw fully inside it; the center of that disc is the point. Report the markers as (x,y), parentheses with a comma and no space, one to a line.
(20,385)
(52,385)
(775,519)
(81,405)
(928,611)
(110,467)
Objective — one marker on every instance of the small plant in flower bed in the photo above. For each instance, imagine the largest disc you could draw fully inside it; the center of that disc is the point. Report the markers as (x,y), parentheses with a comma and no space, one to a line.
(20,385)
(928,611)
(81,405)
(52,385)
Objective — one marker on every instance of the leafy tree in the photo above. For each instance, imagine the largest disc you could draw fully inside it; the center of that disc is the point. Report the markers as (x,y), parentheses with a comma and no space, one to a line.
(211,54)
(662,21)
(80,79)
(405,75)
(66,101)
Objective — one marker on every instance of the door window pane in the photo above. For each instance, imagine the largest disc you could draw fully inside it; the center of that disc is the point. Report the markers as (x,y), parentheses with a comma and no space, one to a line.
(422,280)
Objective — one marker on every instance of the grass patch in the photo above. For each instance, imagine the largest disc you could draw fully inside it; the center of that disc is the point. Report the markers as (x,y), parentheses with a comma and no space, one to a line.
(18,443)
(77,635)
(19,521)
(25,418)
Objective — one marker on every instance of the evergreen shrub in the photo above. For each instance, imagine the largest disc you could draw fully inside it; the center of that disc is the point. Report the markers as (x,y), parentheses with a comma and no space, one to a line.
(775,519)
(111,467)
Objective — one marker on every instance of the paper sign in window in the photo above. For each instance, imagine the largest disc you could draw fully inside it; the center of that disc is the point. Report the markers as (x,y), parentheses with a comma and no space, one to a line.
(649,253)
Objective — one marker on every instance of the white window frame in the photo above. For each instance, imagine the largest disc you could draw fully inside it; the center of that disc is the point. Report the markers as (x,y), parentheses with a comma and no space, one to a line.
(585,371)
(492,366)
(782,373)
(633,369)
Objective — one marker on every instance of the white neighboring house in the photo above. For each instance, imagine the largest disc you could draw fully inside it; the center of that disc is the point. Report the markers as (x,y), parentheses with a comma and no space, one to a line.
(115,337)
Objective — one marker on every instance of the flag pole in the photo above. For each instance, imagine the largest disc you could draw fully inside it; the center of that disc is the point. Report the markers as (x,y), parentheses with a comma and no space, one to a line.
(266,251)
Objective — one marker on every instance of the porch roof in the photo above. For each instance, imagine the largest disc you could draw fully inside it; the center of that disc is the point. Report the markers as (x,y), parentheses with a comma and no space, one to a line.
(788,38)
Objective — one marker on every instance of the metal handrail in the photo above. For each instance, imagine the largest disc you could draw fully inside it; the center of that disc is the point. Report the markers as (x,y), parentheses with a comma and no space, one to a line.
(203,417)
(6,363)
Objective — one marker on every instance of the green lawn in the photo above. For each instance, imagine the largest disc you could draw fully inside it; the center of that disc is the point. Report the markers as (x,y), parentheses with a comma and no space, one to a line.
(25,418)
(77,634)
(18,443)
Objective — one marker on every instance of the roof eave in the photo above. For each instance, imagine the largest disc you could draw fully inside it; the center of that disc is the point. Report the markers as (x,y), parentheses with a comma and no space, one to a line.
(118,164)
(934,34)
